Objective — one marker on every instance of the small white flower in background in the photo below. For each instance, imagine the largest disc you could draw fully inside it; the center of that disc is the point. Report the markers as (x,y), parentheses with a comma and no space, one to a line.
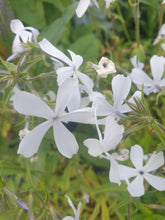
(23,35)
(108,2)
(120,87)
(68,71)
(113,134)
(76,211)
(105,67)
(140,172)
(136,63)
(163,2)
(29,104)
(161,35)
(83,6)
(140,78)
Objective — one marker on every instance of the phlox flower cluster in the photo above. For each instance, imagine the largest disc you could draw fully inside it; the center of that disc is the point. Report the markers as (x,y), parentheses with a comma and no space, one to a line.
(78,101)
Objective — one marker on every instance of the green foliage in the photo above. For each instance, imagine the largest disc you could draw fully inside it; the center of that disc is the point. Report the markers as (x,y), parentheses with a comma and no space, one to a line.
(43,180)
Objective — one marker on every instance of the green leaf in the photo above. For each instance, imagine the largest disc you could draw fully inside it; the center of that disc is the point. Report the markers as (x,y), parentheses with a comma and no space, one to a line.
(87,46)
(9,66)
(7,94)
(104,209)
(55,30)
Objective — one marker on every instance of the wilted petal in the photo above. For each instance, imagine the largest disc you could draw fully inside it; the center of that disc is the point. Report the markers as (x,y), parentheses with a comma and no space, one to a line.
(22,205)
(157,67)
(29,104)
(136,155)
(156,160)
(64,93)
(16,26)
(136,187)
(82,7)
(94,147)
(120,86)
(65,140)
(156,181)
(48,48)
(31,142)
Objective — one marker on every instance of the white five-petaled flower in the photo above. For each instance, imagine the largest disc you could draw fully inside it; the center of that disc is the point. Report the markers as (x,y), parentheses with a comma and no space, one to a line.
(120,87)
(70,70)
(140,172)
(140,78)
(32,105)
(76,211)
(23,35)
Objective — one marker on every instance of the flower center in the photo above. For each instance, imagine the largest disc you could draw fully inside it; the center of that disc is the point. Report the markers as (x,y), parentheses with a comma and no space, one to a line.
(141,172)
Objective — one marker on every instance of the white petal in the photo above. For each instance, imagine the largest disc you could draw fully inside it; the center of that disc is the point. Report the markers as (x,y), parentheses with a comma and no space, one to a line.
(64,73)
(51,50)
(65,140)
(64,93)
(71,205)
(126,172)
(94,147)
(76,59)
(34,32)
(157,67)
(86,81)
(113,173)
(140,78)
(120,86)
(113,133)
(156,181)
(103,108)
(29,104)
(85,115)
(74,101)
(16,26)
(68,218)
(136,63)
(155,161)
(31,142)
(136,187)
(136,155)
(82,7)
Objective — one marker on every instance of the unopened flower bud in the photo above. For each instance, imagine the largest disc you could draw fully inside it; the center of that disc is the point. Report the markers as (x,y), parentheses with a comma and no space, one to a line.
(105,67)
(22,205)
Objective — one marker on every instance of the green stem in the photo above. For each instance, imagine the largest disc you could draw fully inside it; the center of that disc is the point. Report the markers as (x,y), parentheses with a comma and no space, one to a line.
(123,22)
(158,131)
(161,16)
(28,174)
(137,26)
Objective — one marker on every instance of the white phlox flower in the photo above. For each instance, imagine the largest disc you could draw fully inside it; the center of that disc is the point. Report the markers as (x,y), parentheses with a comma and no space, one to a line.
(140,78)
(83,6)
(136,63)
(163,2)
(76,211)
(160,36)
(23,35)
(113,134)
(29,104)
(140,172)
(120,87)
(105,67)
(68,71)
